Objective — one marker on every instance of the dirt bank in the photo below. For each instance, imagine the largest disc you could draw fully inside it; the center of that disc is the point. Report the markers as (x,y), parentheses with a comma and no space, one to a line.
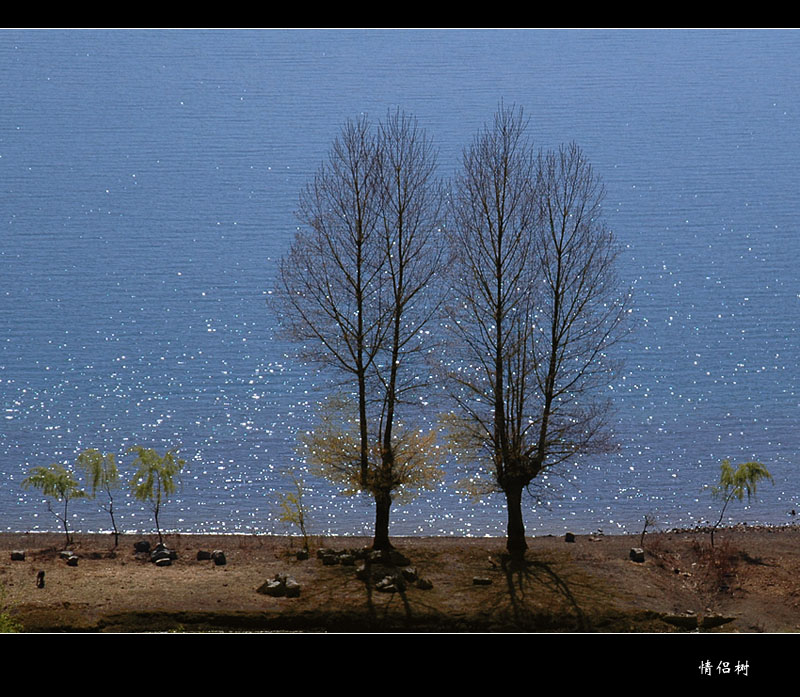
(748,584)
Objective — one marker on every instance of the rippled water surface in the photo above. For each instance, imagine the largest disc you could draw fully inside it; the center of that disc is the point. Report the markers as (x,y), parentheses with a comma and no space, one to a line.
(148,182)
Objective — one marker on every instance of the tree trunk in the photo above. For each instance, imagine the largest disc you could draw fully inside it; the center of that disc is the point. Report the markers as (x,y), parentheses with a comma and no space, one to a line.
(383,502)
(66,527)
(116,533)
(113,523)
(362,424)
(158,527)
(721,516)
(515,542)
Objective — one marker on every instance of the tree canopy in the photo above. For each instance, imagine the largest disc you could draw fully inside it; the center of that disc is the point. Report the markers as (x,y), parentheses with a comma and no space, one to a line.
(103,473)
(537,307)
(357,291)
(736,484)
(58,482)
(155,479)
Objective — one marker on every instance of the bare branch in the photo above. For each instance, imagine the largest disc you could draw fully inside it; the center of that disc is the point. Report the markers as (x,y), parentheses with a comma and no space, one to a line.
(360,286)
(538,308)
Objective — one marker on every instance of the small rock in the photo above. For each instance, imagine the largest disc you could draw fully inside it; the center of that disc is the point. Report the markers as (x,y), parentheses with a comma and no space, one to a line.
(481,581)
(390,584)
(141,546)
(158,554)
(302,555)
(409,573)
(362,553)
(292,588)
(347,559)
(569,537)
(219,557)
(18,555)
(66,554)
(637,554)
(203,555)
(390,557)
(280,586)
(163,561)
(376,556)
(330,559)
(40,579)
(362,572)
(273,587)
(72,561)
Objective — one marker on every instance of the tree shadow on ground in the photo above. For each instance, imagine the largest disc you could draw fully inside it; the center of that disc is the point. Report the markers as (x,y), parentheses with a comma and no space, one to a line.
(536,594)
(548,595)
(393,609)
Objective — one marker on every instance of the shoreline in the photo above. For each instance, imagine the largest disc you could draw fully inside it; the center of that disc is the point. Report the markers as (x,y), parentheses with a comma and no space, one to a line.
(597,533)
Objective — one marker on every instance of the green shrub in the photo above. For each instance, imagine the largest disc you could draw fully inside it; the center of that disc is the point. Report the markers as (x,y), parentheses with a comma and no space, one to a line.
(736,483)
(59,483)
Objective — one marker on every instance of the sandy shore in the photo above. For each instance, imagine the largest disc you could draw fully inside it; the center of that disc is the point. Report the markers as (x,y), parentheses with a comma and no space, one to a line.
(748,583)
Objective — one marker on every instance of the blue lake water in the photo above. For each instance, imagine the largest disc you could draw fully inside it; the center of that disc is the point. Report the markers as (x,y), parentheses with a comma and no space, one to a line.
(148,183)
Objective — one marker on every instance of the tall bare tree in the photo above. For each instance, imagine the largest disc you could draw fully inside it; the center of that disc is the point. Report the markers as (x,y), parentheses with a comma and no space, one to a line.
(411,205)
(358,283)
(330,283)
(538,306)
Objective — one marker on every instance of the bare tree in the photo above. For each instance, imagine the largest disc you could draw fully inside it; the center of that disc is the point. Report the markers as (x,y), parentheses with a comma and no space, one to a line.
(330,282)
(360,283)
(411,216)
(538,307)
